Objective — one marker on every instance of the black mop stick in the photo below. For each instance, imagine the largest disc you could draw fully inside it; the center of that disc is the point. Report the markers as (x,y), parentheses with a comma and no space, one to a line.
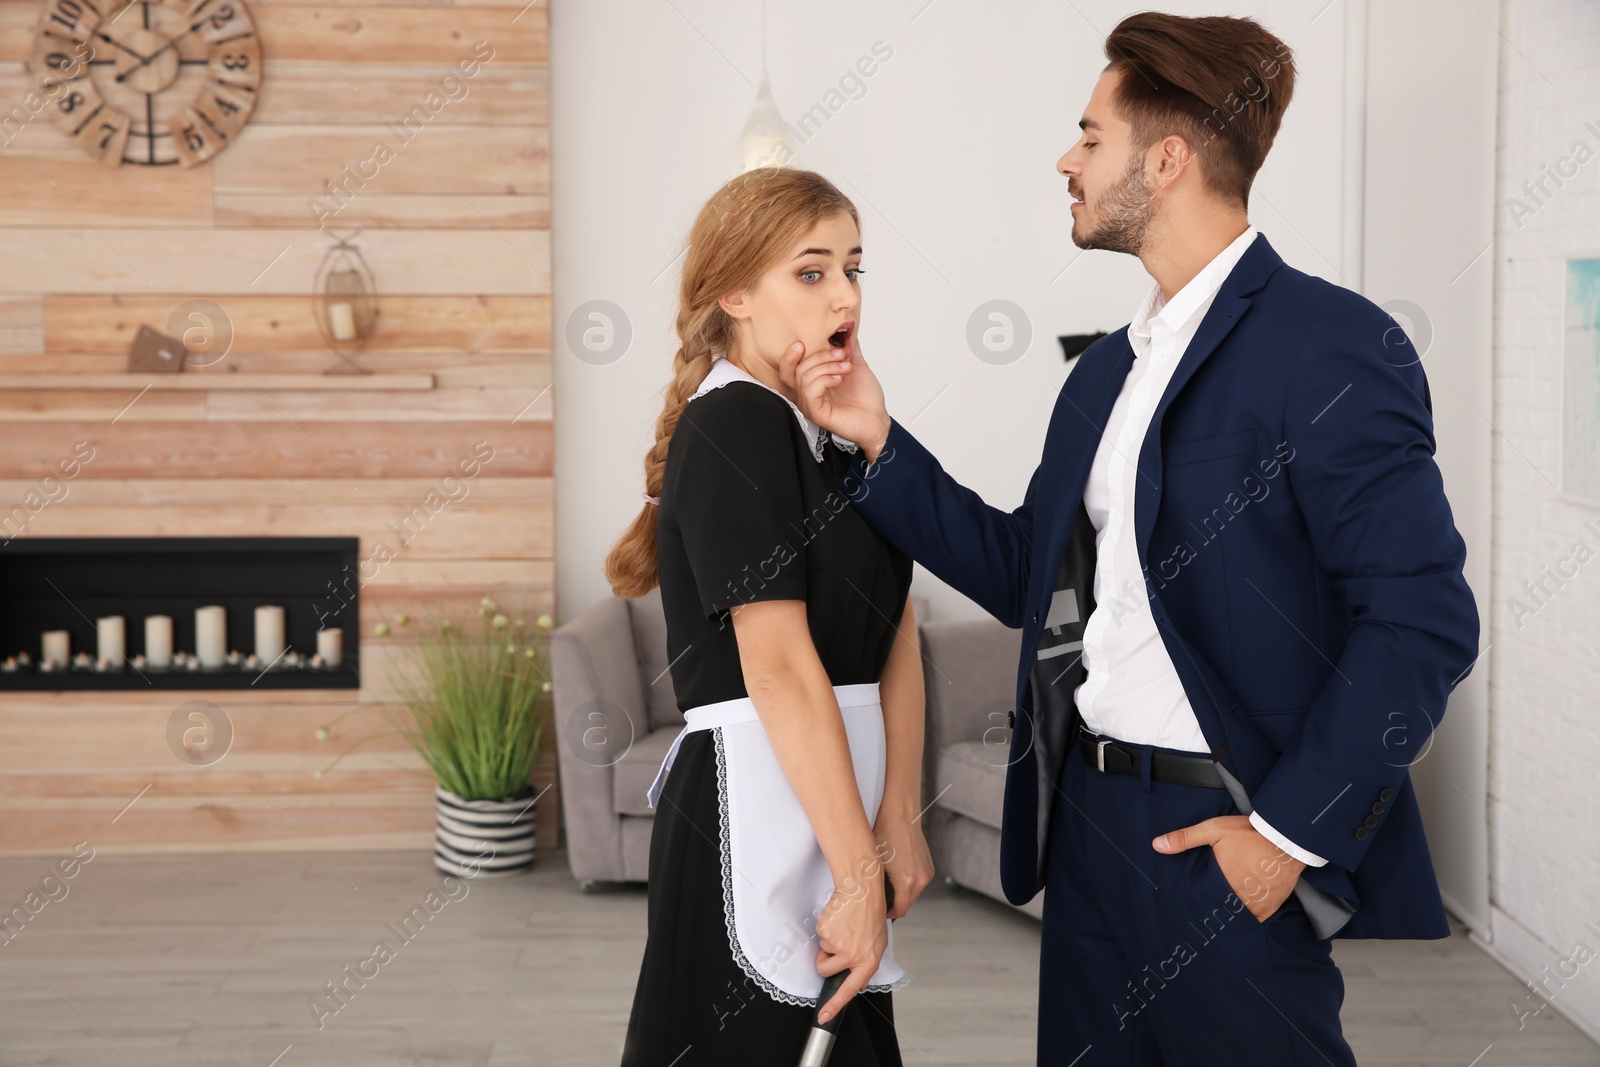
(820,1045)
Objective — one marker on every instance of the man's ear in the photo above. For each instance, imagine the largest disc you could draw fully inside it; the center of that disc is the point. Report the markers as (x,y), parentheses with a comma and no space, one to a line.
(1176,157)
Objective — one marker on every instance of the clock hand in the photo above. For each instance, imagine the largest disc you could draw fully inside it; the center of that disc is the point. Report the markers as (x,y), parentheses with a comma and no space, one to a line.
(112,40)
(145,60)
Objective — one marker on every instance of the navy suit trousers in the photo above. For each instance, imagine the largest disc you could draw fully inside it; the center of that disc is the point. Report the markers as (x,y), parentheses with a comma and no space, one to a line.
(1151,960)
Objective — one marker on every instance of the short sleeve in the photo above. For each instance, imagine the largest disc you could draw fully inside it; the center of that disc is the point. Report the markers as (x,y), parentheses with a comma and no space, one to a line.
(737,499)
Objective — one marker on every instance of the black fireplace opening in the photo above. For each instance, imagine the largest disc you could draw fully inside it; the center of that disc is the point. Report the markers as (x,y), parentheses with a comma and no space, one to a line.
(67,583)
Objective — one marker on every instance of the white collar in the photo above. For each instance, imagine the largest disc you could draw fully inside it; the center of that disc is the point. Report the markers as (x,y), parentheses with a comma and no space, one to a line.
(724,370)
(1203,287)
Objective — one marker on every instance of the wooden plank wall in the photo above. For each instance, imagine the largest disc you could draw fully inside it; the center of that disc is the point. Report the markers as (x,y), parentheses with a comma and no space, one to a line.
(456,230)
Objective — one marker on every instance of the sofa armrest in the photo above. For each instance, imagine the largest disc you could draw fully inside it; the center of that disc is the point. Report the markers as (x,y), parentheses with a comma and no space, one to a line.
(599,712)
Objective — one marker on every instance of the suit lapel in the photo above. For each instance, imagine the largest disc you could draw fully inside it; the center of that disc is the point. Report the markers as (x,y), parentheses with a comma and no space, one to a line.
(1039,746)
(1231,302)
(1083,411)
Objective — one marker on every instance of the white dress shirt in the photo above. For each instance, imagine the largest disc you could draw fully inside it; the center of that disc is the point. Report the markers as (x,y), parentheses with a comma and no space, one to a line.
(1132,691)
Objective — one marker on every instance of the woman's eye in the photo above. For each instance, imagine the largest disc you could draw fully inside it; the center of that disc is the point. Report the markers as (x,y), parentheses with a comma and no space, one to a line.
(810,276)
(1090,144)
(854,272)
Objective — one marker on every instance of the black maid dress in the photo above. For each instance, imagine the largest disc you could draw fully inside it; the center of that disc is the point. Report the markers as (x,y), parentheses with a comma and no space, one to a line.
(744,488)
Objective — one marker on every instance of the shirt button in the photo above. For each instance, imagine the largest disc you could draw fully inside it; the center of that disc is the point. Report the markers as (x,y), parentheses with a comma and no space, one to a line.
(1377,807)
(1361,833)
(1386,794)
(1370,821)
(1036,616)
(1011,720)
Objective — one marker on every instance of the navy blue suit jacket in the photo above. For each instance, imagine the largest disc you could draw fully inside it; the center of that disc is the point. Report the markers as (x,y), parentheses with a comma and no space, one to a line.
(1301,562)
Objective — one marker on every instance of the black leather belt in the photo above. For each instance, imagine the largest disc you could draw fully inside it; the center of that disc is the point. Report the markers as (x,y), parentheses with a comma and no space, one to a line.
(1111,756)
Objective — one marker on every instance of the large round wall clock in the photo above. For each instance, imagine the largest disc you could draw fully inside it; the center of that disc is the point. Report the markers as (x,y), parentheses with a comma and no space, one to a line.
(146,82)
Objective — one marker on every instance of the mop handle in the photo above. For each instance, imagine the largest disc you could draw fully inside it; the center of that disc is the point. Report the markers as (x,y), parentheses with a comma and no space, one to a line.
(820,1045)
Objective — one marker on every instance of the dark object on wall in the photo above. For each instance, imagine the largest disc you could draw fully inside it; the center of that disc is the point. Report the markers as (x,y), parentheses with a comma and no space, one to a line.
(154,352)
(1073,344)
(65,583)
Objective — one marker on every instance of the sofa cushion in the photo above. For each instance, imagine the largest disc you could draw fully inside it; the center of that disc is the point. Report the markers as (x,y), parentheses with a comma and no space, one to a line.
(970,778)
(970,854)
(633,773)
(970,678)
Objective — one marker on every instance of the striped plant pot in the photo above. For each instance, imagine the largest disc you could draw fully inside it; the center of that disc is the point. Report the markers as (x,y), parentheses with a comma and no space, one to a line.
(484,838)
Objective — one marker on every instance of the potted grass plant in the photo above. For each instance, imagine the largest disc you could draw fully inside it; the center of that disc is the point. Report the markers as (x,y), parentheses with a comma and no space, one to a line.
(475,701)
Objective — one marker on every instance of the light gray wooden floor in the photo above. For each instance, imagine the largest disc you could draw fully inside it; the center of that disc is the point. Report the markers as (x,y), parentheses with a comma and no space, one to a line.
(157,961)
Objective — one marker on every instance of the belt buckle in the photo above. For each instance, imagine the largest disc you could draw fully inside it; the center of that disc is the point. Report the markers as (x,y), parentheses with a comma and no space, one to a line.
(1100,754)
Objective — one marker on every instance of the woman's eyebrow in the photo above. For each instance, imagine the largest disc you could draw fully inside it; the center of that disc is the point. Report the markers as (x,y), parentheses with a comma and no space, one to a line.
(856,251)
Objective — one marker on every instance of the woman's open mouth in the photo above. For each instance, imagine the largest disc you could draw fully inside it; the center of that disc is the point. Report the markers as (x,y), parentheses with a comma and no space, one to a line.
(840,337)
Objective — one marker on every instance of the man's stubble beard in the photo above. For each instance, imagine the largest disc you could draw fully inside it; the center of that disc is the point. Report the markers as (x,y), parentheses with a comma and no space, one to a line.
(1125,212)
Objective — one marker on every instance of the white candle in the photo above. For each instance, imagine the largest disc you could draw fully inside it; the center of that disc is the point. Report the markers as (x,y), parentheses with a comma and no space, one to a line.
(342,317)
(110,639)
(57,647)
(158,640)
(210,634)
(330,646)
(269,633)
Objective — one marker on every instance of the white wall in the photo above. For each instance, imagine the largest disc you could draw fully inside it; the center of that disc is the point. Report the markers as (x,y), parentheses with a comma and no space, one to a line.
(1545,737)
(950,158)
(1428,258)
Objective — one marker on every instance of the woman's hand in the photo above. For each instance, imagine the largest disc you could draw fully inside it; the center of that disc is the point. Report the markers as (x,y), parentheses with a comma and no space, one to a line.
(853,932)
(908,861)
(838,391)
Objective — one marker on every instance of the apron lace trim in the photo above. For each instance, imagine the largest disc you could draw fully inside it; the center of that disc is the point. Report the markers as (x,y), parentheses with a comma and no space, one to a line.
(725,849)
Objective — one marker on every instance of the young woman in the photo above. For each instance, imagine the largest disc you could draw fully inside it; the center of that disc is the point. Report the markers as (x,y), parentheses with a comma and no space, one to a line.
(794,790)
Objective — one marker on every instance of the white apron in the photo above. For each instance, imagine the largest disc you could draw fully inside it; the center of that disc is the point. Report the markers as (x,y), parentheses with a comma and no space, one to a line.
(775,880)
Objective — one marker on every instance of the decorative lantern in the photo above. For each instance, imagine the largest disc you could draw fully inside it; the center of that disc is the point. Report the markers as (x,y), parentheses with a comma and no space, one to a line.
(765,140)
(346,306)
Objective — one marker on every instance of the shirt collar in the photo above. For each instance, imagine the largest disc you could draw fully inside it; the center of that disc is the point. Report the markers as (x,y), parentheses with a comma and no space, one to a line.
(1202,288)
(723,370)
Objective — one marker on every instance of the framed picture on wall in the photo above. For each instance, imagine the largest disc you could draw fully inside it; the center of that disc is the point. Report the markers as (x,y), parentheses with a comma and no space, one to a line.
(1580,382)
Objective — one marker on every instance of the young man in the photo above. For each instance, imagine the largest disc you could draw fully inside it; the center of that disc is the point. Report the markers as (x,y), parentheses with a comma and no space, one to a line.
(1239,584)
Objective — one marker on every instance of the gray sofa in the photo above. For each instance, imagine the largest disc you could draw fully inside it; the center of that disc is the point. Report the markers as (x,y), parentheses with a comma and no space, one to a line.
(616,715)
(969,671)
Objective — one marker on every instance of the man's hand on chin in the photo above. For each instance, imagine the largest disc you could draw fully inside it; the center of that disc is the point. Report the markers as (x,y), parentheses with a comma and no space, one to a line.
(1261,873)
(835,389)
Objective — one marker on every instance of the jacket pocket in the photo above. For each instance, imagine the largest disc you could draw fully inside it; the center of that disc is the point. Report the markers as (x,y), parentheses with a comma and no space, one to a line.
(1229,444)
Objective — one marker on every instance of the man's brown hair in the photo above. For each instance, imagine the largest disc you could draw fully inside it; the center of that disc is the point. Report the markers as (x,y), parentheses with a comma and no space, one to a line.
(1220,83)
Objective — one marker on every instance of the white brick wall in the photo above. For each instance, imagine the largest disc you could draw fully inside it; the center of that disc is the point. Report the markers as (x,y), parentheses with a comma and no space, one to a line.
(1544,754)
